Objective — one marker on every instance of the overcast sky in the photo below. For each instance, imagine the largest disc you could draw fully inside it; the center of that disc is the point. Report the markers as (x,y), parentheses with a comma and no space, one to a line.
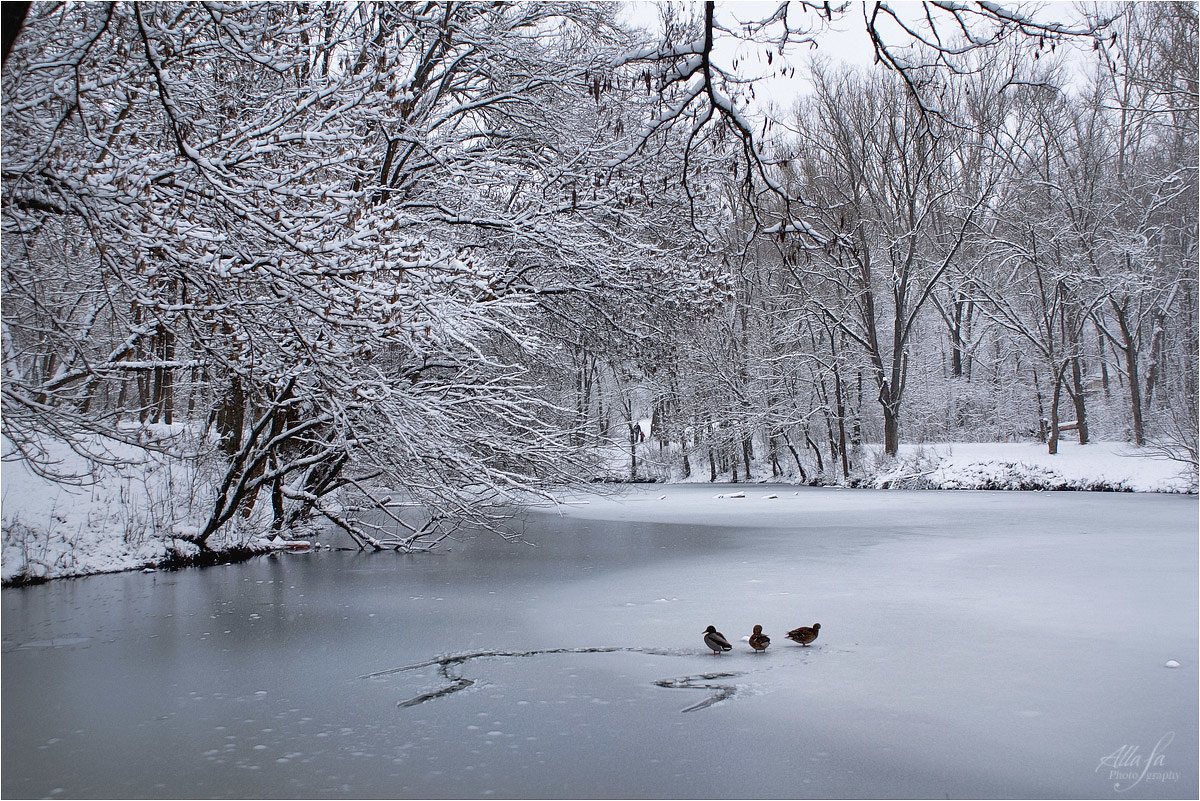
(844,40)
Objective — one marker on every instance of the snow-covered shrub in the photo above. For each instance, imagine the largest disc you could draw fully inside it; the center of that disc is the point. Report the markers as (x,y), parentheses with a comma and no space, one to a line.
(910,470)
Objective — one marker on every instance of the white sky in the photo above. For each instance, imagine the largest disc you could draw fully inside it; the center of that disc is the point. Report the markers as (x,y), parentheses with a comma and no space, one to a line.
(843,40)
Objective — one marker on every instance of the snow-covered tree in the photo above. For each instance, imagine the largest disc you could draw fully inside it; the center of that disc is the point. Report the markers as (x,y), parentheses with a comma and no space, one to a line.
(325,233)
(887,193)
(1148,90)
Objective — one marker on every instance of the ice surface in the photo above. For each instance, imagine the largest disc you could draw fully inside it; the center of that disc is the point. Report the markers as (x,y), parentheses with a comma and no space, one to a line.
(973,644)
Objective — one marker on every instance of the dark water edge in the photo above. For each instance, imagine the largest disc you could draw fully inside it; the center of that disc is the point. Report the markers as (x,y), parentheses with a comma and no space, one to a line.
(176,561)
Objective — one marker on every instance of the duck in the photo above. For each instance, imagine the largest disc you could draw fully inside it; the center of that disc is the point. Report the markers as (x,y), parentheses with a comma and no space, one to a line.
(716,640)
(804,635)
(758,640)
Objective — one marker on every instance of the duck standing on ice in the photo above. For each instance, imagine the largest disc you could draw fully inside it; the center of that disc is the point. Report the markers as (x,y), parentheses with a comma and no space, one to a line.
(716,640)
(758,640)
(805,634)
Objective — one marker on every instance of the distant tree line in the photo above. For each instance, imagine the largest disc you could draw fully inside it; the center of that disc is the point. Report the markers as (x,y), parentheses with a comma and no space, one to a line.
(1002,251)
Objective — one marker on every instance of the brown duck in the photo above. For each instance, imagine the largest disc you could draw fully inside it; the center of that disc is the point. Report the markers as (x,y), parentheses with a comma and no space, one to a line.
(758,640)
(804,635)
(716,640)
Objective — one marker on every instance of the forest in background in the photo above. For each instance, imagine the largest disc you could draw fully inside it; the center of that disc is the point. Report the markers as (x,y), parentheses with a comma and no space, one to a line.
(462,251)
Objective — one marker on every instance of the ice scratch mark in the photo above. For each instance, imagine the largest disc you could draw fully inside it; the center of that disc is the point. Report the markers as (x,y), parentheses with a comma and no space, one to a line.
(456,683)
(447,667)
(723,691)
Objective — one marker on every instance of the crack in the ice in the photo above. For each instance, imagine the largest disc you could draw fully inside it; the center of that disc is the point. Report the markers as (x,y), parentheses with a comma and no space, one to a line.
(723,691)
(447,664)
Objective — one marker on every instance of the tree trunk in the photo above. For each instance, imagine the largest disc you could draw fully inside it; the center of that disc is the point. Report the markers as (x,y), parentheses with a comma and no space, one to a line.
(747,453)
(816,450)
(1043,429)
(683,445)
(277,511)
(856,424)
(1157,350)
(601,417)
(834,450)
(1080,400)
(968,359)
(1128,348)
(891,431)
(839,396)
(712,458)
(122,396)
(634,428)
(1135,396)
(164,377)
(796,456)
(1103,363)
(656,424)
(1055,401)
(891,420)
(959,331)
(231,417)
(583,397)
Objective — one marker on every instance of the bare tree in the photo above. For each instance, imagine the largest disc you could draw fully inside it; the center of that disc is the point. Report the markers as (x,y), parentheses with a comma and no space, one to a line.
(1148,90)
(887,181)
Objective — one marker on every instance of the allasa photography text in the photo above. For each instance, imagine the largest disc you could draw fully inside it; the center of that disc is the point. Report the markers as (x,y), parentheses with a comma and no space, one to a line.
(1128,767)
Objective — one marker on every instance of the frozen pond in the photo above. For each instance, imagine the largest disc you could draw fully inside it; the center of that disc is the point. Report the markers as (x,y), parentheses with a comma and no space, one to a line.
(972,645)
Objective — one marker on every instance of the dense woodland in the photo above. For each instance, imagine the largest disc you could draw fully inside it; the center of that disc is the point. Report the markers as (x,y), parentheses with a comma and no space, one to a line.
(461,250)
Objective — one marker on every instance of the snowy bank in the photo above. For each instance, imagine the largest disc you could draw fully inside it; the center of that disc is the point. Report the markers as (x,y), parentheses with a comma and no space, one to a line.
(1098,466)
(139,514)
(1027,466)
(134,514)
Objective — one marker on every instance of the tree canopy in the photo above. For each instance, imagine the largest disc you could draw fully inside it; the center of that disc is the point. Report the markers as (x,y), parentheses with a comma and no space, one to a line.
(330,255)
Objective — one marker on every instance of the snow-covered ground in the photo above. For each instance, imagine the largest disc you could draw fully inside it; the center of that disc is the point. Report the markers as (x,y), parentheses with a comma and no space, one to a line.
(1027,465)
(127,518)
(111,518)
(973,644)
